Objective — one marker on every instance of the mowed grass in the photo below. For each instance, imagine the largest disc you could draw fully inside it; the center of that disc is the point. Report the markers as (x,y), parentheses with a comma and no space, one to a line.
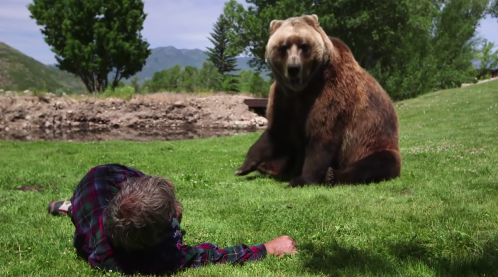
(440,218)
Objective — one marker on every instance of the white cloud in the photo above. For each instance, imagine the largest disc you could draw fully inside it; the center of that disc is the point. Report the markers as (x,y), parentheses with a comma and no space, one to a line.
(178,23)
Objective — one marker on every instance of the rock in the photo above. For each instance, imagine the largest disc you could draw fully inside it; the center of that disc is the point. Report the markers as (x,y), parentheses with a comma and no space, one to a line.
(241,124)
(261,121)
(45,98)
(48,124)
(179,104)
(58,106)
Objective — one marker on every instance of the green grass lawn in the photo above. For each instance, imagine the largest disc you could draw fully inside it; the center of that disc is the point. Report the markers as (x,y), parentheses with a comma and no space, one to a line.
(440,218)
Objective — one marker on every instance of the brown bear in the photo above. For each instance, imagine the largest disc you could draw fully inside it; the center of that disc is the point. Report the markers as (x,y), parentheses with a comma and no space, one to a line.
(329,120)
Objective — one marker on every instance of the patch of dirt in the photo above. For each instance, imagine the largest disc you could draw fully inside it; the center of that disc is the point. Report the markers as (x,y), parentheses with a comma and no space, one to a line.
(30,188)
(475,151)
(405,192)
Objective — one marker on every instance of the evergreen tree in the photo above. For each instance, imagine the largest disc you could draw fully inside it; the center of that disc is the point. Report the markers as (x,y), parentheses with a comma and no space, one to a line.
(222,55)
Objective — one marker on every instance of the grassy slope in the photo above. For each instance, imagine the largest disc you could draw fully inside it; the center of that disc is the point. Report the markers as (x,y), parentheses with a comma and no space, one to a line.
(22,72)
(438,219)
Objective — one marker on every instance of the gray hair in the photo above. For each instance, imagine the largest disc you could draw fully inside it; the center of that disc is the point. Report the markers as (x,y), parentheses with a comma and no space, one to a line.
(137,215)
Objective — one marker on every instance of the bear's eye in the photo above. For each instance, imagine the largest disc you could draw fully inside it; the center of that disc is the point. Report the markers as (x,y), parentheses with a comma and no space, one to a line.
(305,48)
(282,50)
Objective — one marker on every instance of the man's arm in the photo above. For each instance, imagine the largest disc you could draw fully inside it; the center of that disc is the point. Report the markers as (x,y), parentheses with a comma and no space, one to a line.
(207,253)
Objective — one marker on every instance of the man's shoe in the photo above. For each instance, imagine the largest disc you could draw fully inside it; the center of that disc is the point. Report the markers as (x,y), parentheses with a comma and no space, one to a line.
(59,208)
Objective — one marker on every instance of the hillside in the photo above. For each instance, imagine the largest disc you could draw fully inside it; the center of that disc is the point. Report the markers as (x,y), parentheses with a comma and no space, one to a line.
(20,72)
(163,58)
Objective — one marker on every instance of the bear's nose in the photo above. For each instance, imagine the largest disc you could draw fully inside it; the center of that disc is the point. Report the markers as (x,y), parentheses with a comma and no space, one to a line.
(293,69)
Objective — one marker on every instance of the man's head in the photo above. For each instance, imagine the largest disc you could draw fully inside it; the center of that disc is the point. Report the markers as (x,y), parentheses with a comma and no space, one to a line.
(296,49)
(137,216)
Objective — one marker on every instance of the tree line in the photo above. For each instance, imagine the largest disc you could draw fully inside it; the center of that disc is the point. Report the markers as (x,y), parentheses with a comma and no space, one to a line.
(410,46)
(205,79)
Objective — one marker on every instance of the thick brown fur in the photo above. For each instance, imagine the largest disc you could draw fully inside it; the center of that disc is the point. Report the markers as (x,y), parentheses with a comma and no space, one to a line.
(329,120)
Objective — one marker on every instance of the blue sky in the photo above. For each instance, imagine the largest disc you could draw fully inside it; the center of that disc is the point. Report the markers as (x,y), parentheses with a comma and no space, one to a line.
(178,23)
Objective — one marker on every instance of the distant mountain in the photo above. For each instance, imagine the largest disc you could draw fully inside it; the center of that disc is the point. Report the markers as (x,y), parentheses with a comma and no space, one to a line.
(21,72)
(162,58)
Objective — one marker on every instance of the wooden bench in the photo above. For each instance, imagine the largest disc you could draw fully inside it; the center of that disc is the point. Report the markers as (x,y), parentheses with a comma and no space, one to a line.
(258,105)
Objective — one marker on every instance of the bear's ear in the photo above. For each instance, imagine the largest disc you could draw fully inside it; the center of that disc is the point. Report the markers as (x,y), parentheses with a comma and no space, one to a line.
(274,25)
(312,20)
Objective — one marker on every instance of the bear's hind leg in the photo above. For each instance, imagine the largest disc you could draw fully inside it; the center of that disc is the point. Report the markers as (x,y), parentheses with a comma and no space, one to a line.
(379,166)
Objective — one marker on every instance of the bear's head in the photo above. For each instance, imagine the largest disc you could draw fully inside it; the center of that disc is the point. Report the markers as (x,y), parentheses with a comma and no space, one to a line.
(296,49)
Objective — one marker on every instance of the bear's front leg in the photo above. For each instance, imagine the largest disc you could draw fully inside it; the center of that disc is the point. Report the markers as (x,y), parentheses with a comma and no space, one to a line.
(275,167)
(318,158)
(262,150)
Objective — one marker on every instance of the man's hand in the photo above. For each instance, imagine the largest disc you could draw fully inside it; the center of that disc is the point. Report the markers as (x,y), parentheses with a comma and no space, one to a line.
(280,246)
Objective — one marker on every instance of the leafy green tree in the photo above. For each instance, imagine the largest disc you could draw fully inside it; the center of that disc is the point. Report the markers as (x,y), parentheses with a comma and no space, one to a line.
(134,82)
(455,40)
(487,57)
(258,86)
(209,78)
(94,38)
(354,21)
(230,83)
(493,10)
(411,47)
(222,55)
(189,77)
(167,80)
(244,79)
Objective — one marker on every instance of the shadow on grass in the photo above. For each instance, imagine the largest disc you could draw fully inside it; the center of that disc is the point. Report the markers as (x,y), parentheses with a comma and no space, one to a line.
(257,176)
(336,260)
(476,261)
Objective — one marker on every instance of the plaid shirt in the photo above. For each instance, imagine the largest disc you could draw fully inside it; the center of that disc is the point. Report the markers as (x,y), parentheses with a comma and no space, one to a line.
(89,201)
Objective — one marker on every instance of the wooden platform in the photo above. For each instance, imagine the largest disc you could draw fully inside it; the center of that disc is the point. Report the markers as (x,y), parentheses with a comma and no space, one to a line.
(258,105)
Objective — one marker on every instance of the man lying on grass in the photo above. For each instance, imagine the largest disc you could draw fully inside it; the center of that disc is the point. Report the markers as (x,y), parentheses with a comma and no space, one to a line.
(129,222)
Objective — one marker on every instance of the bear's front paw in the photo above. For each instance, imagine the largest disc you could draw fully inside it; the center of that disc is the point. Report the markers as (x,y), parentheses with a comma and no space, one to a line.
(298,181)
(245,169)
